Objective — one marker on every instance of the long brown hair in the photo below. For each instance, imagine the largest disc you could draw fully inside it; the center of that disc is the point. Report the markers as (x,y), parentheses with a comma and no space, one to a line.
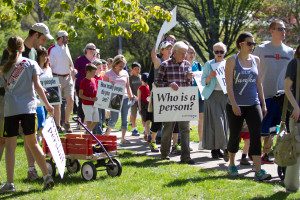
(42,51)
(14,46)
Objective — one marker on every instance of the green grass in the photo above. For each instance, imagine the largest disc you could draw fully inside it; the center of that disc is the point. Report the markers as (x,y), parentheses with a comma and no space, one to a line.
(144,178)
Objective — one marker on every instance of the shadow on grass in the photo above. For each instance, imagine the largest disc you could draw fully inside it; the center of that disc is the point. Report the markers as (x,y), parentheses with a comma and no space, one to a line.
(278,195)
(18,194)
(153,161)
(182,182)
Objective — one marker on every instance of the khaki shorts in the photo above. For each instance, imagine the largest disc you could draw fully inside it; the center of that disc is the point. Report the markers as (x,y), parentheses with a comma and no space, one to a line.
(134,109)
(67,86)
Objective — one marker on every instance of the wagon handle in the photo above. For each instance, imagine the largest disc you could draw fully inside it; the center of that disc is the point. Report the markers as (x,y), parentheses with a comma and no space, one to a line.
(76,119)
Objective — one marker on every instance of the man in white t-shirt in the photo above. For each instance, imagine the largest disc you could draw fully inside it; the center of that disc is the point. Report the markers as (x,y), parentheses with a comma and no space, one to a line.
(62,67)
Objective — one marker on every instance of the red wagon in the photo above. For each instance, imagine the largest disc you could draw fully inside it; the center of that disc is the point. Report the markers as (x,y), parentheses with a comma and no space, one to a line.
(98,150)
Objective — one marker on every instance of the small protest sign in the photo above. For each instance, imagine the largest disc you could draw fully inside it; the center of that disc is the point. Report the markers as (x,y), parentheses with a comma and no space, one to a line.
(109,96)
(197,78)
(171,106)
(220,69)
(53,91)
(166,27)
(51,136)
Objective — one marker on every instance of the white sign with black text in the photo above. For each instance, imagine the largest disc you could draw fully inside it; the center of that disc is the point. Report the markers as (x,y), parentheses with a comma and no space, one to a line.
(51,136)
(53,91)
(109,96)
(220,69)
(172,106)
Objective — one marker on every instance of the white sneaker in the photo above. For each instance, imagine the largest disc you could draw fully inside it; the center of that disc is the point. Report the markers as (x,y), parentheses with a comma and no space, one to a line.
(200,147)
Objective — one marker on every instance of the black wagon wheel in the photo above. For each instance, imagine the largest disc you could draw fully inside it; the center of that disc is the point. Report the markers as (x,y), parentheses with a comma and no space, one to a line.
(73,166)
(281,172)
(51,167)
(114,170)
(88,171)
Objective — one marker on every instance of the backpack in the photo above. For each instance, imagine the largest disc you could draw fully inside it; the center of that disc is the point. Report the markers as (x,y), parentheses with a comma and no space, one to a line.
(285,152)
(285,149)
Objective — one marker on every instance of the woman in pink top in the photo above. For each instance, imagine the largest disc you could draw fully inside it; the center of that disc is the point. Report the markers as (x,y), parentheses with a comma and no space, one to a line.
(117,75)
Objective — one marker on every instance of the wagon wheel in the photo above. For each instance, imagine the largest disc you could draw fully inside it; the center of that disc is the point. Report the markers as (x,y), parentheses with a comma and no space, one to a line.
(281,172)
(88,171)
(51,167)
(114,170)
(73,166)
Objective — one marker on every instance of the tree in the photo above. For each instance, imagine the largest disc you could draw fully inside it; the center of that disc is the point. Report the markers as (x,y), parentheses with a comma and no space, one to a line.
(205,22)
(114,17)
(288,11)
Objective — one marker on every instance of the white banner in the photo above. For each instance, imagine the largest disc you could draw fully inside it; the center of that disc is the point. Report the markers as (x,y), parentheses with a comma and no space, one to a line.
(197,78)
(166,27)
(109,96)
(220,69)
(172,106)
(53,91)
(53,141)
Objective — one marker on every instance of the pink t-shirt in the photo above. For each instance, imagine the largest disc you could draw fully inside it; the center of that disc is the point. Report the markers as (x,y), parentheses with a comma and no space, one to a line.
(121,79)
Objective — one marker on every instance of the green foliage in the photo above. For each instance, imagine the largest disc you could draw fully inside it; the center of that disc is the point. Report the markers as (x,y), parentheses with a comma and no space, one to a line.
(118,17)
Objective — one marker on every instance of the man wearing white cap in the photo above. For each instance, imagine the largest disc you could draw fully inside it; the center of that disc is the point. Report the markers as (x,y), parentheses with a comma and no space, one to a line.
(62,67)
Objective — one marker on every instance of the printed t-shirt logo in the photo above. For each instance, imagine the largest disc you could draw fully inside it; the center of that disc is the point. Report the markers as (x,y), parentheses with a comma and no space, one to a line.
(15,75)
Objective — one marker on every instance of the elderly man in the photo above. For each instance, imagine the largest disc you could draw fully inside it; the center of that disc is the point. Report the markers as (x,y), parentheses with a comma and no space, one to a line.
(62,67)
(176,72)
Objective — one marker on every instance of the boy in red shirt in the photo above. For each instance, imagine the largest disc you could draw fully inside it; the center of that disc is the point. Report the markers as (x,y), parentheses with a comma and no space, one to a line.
(143,94)
(87,93)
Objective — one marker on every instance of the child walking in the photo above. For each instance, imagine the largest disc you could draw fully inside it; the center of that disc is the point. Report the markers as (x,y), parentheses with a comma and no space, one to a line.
(143,95)
(88,92)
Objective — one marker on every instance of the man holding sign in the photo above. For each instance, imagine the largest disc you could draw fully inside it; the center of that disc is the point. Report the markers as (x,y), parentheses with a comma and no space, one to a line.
(176,72)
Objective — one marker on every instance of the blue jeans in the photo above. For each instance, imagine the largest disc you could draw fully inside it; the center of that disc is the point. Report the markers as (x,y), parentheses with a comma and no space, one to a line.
(98,128)
(115,115)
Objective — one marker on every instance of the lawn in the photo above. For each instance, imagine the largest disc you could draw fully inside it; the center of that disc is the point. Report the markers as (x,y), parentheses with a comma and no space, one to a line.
(144,177)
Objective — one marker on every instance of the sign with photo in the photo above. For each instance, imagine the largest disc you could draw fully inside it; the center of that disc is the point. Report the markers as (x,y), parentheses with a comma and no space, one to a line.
(109,96)
(53,141)
(53,91)
(172,106)
(220,69)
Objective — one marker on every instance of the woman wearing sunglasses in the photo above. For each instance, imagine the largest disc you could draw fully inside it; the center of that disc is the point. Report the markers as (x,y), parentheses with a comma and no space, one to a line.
(246,102)
(215,120)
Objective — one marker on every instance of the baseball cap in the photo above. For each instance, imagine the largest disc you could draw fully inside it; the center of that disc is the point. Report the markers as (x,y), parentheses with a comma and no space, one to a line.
(62,34)
(145,77)
(135,64)
(42,28)
(165,44)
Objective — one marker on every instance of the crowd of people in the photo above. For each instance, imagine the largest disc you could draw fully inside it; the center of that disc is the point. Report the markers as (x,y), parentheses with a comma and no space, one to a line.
(256,78)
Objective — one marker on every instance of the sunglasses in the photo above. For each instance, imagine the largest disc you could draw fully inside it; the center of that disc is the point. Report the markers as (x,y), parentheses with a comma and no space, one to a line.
(280,29)
(251,44)
(219,52)
(91,49)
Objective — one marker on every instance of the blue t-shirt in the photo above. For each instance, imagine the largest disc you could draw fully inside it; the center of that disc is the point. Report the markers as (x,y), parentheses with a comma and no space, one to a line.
(19,91)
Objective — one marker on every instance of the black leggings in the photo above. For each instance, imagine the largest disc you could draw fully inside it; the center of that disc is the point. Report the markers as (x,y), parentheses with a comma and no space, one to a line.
(253,117)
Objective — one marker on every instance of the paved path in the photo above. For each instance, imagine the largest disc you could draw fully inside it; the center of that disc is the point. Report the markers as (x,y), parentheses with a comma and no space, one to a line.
(202,157)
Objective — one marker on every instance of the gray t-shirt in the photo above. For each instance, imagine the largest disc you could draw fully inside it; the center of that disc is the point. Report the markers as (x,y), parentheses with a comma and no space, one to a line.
(135,83)
(19,92)
(273,61)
